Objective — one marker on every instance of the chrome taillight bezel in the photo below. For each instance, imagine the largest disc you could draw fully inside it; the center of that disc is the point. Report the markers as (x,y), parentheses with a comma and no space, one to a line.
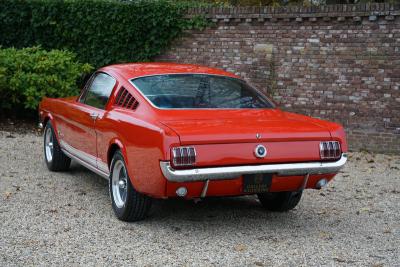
(183,156)
(329,150)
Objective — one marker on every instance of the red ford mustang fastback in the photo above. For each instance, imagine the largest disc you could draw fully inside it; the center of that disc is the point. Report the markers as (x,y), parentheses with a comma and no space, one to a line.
(160,130)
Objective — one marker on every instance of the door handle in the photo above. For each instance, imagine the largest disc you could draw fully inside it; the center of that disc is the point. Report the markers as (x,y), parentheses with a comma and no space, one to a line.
(94,116)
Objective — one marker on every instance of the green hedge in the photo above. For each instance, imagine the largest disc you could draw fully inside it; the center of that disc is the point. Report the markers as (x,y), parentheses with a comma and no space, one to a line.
(29,74)
(98,31)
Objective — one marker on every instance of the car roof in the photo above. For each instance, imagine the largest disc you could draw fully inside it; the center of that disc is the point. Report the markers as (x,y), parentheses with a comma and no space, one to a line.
(135,70)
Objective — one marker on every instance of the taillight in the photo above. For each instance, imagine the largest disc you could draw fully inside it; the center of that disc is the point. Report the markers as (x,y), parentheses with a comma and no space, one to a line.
(330,150)
(183,156)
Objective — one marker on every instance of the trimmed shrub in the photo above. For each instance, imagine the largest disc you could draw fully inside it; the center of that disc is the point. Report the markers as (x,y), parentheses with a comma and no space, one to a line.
(29,74)
(98,31)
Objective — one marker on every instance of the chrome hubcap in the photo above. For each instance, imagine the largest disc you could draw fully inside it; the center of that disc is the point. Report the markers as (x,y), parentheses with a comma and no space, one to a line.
(49,144)
(122,184)
(119,181)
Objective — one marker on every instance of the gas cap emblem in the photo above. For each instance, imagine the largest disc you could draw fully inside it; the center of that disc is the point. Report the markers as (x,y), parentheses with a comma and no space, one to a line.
(260,151)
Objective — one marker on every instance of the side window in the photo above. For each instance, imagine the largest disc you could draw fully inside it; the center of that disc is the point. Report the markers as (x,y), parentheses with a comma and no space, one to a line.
(99,91)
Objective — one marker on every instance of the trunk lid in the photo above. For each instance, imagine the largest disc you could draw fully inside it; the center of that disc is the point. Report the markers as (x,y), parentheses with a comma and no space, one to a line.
(222,127)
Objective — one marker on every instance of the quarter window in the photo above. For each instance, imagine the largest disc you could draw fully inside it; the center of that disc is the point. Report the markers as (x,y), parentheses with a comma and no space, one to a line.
(99,91)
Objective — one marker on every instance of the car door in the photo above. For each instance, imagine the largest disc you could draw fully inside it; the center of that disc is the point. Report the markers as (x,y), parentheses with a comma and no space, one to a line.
(80,135)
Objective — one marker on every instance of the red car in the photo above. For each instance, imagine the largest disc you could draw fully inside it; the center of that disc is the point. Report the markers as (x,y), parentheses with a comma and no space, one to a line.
(162,130)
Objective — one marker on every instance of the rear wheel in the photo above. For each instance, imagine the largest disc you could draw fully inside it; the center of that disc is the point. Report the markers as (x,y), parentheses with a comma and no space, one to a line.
(280,201)
(55,159)
(128,204)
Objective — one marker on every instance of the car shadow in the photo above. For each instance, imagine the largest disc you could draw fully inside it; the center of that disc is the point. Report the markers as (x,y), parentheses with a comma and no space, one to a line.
(217,211)
(80,171)
(213,209)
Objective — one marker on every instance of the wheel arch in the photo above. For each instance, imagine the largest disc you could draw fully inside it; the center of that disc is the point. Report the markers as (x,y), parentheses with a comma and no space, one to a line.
(46,118)
(49,118)
(115,145)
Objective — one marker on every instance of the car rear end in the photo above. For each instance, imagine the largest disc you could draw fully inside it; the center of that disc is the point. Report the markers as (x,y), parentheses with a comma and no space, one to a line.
(234,141)
(249,162)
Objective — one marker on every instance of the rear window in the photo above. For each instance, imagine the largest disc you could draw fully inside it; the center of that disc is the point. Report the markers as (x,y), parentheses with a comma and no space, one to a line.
(196,91)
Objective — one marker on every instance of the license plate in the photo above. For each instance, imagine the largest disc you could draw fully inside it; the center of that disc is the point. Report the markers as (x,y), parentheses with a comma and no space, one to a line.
(256,183)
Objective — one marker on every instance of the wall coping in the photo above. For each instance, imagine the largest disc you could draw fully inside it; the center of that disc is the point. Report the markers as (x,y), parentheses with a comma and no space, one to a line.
(372,10)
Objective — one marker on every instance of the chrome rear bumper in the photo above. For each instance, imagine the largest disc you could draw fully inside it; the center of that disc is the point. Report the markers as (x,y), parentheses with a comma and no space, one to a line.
(231,172)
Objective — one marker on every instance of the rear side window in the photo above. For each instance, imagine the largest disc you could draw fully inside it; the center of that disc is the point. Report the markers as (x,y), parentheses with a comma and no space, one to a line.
(99,91)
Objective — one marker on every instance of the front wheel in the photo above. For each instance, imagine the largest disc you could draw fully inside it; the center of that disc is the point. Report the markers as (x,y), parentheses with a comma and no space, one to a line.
(55,159)
(128,204)
(280,201)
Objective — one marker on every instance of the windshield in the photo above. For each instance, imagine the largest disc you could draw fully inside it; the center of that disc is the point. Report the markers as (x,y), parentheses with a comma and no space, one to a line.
(196,91)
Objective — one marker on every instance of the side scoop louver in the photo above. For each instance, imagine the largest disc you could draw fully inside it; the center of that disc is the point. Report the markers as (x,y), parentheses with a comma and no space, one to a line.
(125,99)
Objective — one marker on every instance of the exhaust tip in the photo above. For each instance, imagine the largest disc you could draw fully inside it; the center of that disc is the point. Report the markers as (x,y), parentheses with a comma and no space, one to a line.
(321,183)
(181,191)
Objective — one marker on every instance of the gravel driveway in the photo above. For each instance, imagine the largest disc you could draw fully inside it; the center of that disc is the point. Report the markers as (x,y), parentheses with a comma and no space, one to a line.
(66,219)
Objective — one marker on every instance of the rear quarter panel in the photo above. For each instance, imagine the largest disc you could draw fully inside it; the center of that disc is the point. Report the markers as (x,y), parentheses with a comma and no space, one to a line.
(143,144)
(336,130)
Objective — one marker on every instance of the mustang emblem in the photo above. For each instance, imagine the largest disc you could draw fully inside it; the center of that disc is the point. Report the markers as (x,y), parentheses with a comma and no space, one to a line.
(260,151)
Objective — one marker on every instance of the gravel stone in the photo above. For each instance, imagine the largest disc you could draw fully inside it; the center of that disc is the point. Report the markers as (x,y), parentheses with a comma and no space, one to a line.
(49,218)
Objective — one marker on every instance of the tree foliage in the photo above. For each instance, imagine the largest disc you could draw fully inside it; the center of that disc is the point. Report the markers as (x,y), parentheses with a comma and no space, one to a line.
(29,74)
(278,3)
(98,31)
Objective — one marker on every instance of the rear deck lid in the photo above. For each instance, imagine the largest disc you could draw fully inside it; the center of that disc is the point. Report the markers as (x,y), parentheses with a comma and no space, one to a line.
(246,129)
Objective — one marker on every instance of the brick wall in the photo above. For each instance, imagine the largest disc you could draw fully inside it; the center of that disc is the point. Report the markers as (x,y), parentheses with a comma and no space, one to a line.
(339,62)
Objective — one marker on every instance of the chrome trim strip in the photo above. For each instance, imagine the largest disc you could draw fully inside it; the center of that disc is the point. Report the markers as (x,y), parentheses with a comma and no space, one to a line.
(78,153)
(304,183)
(102,166)
(232,172)
(205,188)
(184,73)
(87,165)
(85,159)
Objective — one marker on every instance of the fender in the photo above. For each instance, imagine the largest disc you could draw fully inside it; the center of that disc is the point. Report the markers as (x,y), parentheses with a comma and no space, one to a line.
(45,117)
(122,147)
(118,142)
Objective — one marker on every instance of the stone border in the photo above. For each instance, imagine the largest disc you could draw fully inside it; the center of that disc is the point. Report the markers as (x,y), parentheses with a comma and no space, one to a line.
(298,13)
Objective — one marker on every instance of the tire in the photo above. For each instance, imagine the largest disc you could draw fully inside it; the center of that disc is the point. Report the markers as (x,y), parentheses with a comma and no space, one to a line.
(128,204)
(55,159)
(280,201)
